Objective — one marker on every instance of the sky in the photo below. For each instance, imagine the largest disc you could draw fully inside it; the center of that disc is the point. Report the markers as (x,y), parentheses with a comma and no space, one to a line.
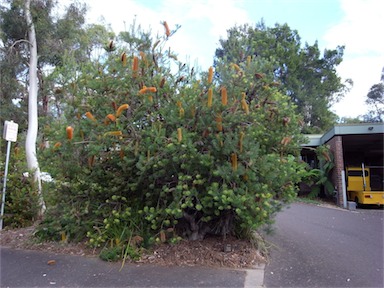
(356,24)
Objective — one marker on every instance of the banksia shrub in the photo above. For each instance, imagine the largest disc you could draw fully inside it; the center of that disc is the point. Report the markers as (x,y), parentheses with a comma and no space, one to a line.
(183,161)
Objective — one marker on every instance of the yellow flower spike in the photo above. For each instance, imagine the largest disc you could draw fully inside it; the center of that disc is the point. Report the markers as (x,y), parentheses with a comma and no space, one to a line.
(179,135)
(193,111)
(135,66)
(245,106)
(210,95)
(124,59)
(63,237)
(243,95)
(178,103)
(234,161)
(113,133)
(219,122)
(210,75)
(181,112)
(69,131)
(249,58)
(224,96)
(150,98)
(236,67)
(90,116)
(121,109)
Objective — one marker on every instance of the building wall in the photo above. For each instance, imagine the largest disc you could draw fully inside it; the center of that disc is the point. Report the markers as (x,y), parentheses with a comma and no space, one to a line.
(336,146)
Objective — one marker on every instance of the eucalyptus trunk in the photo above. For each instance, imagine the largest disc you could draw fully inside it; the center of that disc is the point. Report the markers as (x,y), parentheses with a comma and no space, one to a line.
(30,143)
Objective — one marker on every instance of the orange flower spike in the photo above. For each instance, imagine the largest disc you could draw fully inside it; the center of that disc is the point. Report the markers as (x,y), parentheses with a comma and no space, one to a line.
(109,118)
(179,135)
(167,30)
(121,109)
(57,145)
(219,122)
(135,66)
(146,89)
(151,89)
(90,116)
(210,95)
(143,90)
(224,96)
(210,75)
(69,131)
(124,59)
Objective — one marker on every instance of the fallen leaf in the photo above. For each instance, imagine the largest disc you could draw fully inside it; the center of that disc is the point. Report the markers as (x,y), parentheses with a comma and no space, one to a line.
(51,262)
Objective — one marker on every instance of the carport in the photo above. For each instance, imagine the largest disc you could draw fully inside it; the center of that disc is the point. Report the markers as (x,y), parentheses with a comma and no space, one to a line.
(352,145)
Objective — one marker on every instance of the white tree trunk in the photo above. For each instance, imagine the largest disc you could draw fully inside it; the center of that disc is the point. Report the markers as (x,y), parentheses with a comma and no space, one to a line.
(30,143)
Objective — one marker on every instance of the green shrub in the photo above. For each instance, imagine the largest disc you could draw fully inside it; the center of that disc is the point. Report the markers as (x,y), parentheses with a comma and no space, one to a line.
(21,201)
(172,163)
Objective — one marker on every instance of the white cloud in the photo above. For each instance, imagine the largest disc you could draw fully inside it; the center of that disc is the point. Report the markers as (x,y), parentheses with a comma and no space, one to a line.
(359,30)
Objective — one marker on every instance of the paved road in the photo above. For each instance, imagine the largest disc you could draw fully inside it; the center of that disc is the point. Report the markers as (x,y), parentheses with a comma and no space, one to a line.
(325,247)
(20,268)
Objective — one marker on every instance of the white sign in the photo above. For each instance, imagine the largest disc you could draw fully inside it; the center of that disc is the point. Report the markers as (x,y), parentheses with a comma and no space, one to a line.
(10,131)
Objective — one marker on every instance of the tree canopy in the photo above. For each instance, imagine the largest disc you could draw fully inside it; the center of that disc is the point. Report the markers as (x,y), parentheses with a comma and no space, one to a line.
(307,77)
(375,100)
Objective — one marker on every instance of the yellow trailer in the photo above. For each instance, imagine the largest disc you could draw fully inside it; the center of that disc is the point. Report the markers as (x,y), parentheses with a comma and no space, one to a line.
(359,187)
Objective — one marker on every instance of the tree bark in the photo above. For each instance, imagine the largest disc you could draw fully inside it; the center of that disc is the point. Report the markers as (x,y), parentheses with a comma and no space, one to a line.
(30,143)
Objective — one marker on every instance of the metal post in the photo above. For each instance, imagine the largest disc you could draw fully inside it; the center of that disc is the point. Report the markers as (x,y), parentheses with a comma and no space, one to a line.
(364,182)
(5,184)
(344,189)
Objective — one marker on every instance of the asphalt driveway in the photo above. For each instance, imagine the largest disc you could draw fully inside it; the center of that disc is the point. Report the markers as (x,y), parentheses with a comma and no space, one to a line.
(326,247)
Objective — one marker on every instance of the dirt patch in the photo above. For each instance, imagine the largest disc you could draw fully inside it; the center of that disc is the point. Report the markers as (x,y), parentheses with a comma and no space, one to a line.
(212,251)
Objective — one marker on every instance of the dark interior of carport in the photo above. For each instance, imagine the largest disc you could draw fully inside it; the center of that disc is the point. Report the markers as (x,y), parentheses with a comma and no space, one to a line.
(367,149)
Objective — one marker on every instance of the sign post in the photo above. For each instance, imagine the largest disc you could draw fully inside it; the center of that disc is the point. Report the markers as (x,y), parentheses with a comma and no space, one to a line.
(10,135)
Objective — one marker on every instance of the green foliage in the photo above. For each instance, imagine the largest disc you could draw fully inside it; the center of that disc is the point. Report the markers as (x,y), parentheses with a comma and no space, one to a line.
(375,100)
(146,165)
(307,77)
(21,202)
(320,179)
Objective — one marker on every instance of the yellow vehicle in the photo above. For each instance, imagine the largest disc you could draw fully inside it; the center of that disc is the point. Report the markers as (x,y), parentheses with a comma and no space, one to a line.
(360,188)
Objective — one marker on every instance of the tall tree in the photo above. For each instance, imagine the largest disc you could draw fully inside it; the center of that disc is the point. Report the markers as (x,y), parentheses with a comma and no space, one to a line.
(30,143)
(307,77)
(31,70)
(375,100)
